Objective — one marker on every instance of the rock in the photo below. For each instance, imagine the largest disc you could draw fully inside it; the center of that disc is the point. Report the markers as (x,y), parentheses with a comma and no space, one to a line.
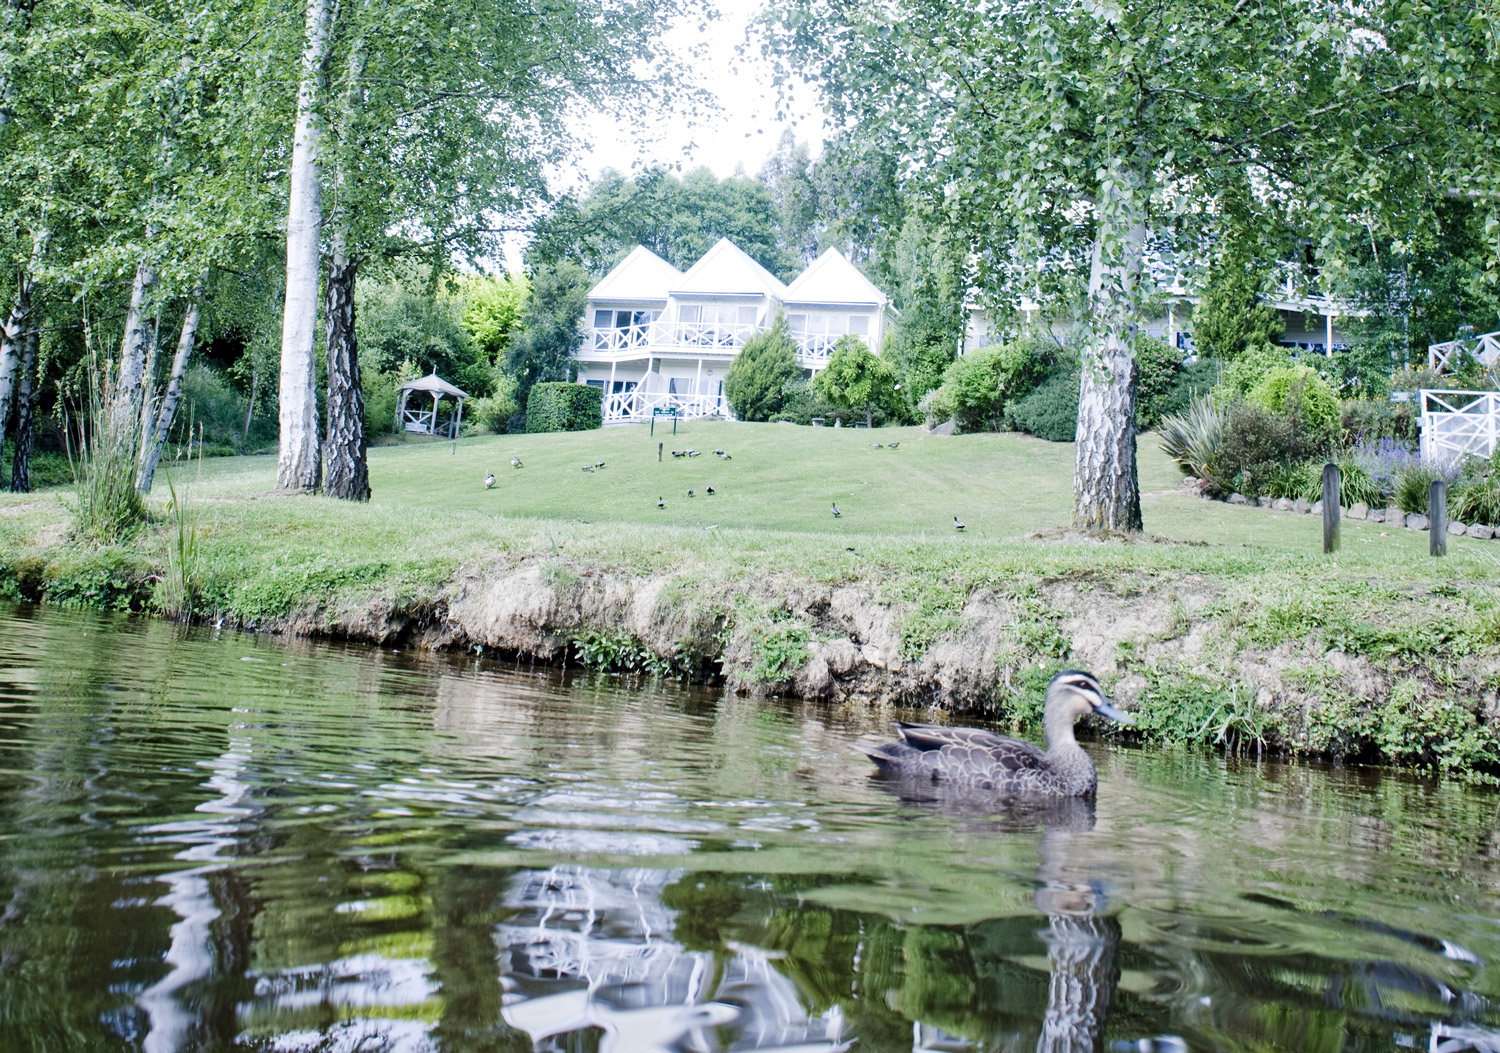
(1238,499)
(1317,508)
(945,428)
(1377,515)
(1282,504)
(1301,507)
(1416,521)
(840,654)
(1395,515)
(1358,510)
(1456,528)
(814,679)
(1479,530)
(1263,501)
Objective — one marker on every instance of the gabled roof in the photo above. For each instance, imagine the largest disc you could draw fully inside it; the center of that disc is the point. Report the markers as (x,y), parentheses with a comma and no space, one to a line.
(435,384)
(725,269)
(833,279)
(643,275)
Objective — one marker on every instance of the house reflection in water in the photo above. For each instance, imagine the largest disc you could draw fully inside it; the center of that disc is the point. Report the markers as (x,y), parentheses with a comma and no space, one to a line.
(594,948)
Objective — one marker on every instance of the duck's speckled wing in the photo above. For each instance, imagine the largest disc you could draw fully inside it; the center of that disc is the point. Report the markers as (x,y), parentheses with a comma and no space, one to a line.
(968,756)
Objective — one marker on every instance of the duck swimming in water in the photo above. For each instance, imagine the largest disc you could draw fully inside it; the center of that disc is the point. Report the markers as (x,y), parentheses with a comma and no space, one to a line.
(982,760)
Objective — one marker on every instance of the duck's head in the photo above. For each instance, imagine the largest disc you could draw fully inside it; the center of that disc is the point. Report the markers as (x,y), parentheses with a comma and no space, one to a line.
(1075,694)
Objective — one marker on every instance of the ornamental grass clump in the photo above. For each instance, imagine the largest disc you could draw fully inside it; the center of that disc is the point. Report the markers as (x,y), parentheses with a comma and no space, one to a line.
(1476,497)
(1195,439)
(108,508)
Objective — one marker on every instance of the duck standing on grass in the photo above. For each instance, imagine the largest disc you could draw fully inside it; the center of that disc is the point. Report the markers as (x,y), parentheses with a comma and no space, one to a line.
(982,760)
(489,480)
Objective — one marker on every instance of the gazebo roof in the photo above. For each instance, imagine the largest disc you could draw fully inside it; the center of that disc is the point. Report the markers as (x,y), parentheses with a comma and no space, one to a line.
(436,384)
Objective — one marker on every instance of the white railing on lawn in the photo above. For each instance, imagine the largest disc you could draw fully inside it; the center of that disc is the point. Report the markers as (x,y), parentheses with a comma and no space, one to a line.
(1486,348)
(637,405)
(1456,424)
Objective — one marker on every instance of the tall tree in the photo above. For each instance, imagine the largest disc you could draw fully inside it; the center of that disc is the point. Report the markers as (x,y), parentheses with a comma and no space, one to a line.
(1065,136)
(300,464)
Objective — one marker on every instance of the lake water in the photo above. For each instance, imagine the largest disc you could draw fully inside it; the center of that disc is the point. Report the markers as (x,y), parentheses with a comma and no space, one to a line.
(228,842)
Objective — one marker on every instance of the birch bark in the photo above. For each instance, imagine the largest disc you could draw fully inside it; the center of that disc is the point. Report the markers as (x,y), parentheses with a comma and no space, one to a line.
(12,348)
(348,471)
(20,468)
(155,437)
(135,347)
(300,464)
(1106,487)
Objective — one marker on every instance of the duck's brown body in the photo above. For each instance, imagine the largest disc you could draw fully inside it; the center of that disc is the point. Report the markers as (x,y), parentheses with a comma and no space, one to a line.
(983,760)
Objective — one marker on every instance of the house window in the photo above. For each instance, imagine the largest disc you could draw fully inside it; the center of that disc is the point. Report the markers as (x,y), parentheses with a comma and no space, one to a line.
(716,325)
(859,324)
(615,330)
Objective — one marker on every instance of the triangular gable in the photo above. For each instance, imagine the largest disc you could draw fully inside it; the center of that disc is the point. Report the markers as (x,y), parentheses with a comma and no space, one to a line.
(643,275)
(833,279)
(725,269)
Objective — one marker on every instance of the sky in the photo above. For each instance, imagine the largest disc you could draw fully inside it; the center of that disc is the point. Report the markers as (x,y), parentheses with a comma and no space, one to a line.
(745,130)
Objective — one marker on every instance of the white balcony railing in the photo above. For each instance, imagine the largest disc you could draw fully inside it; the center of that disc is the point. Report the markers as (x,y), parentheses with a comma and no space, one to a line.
(626,339)
(1442,358)
(689,338)
(1456,424)
(637,405)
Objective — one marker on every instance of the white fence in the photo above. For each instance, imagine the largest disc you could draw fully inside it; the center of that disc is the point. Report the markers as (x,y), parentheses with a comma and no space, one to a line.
(631,406)
(1486,348)
(689,338)
(1456,424)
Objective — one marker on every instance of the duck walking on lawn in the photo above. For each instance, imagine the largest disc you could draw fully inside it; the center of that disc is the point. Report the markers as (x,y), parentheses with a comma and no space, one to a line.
(489,480)
(983,760)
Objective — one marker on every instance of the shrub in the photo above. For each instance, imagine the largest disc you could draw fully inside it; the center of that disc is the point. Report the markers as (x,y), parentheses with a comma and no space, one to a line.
(1050,411)
(493,412)
(978,384)
(1258,444)
(1477,498)
(210,400)
(1230,320)
(108,507)
(1411,486)
(1370,419)
(381,398)
(1195,439)
(1356,484)
(799,404)
(1192,380)
(856,379)
(1298,390)
(759,374)
(564,407)
(1157,365)
(1245,372)
(1383,460)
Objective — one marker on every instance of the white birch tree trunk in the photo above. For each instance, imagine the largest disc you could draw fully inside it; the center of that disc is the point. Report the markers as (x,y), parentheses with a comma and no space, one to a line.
(1106,488)
(156,437)
(135,347)
(300,464)
(12,348)
(20,468)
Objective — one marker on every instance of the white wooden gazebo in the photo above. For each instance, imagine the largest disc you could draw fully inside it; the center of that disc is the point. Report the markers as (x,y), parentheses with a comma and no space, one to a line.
(423,419)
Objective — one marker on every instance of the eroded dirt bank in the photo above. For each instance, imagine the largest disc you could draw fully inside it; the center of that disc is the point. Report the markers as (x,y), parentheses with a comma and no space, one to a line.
(1408,677)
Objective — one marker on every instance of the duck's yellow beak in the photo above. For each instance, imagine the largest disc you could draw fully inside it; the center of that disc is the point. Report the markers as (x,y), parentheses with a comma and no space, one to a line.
(1104,709)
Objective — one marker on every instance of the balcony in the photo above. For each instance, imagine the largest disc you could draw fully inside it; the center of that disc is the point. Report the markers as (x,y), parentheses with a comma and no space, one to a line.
(637,406)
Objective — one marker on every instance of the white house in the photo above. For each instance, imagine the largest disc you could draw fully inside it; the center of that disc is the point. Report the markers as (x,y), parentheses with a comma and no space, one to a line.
(656,338)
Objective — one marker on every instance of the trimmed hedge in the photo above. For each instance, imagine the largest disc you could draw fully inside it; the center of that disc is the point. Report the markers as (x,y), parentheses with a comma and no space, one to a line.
(564,407)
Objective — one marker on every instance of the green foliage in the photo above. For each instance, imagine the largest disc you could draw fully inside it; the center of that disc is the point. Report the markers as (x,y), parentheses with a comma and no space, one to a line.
(1230,319)
(493,413)
(1369,420)
(800,403)
(1050,410)
(564,407)
(1412,487)
(107,506)
(552,326)
(617,651)
(413,326)
(177,591)
(106,578)
(780,650)
(856,379)
(1476,499)
(756,383)
(1356,484)
(493,306)
(210,400)
(381,400)
(977,385)
(1257,445)
(1192,380)
(1246,371)
(1297,390)
(1195,439)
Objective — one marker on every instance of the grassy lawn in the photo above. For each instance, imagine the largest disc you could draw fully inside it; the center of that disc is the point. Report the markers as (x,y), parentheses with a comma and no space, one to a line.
(1198,619)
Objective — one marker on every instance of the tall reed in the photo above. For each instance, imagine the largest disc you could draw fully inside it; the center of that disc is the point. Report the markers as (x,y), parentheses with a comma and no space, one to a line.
(108,508)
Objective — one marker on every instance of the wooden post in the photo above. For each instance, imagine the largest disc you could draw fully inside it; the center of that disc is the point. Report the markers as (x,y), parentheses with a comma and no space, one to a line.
(458,423)
(1331,507)
(1437,518)
(658,450)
